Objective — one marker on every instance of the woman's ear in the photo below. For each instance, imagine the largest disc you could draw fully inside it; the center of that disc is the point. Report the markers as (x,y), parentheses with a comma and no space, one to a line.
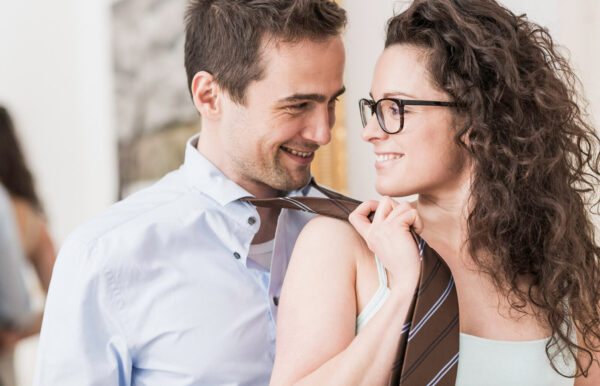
(463,127)
(466,137)
(206,95)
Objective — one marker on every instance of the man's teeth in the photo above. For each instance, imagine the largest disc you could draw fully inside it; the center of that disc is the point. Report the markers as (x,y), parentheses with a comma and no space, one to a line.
(387,157)
(298,153)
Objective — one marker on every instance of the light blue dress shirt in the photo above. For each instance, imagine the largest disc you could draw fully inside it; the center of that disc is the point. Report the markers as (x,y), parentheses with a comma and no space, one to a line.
(158,289)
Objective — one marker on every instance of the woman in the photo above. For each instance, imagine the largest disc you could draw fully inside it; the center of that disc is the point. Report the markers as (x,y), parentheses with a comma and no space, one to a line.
(504,165)
(23,234)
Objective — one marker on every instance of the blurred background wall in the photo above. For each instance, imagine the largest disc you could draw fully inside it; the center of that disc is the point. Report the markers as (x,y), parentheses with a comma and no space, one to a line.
(58,71)
(56,78)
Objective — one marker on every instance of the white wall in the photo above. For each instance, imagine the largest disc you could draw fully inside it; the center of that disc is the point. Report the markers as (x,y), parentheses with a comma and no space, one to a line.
(55,76)
(574,24)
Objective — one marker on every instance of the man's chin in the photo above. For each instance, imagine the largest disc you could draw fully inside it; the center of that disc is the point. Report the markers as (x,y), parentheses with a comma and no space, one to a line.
(292,183)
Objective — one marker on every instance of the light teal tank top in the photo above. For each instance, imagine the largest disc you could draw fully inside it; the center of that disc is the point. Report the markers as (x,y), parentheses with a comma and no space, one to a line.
(491,362)
(494,362)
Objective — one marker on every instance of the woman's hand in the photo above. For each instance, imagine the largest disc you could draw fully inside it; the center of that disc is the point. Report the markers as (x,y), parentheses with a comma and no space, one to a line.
(389,236)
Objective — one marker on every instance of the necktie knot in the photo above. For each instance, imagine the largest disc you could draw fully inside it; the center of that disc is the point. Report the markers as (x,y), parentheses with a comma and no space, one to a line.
(333,204)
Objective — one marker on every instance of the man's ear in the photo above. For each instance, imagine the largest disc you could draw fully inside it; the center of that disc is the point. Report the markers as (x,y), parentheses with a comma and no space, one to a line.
(206,95)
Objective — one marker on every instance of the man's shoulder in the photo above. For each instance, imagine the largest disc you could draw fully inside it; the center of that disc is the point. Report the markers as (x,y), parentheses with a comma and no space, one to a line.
(164,203)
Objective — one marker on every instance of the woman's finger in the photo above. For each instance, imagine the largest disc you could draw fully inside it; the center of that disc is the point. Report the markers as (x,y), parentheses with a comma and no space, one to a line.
(359,218)
(418,223)
(383,210)
(405,220)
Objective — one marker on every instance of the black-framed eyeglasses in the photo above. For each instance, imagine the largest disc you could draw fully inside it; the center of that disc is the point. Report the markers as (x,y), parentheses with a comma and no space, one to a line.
(390,111)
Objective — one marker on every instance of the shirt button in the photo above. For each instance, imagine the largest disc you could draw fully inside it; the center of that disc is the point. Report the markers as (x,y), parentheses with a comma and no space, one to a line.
(251,220)
(275,300)
(236,255)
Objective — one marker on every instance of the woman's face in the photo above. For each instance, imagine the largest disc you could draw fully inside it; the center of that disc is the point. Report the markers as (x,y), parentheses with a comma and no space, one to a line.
(423,158)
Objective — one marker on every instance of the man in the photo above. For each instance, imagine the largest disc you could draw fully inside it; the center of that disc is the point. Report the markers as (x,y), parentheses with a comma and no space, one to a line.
(175,285)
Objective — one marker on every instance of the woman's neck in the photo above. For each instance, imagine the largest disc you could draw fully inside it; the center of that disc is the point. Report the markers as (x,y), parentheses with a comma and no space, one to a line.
(444,218)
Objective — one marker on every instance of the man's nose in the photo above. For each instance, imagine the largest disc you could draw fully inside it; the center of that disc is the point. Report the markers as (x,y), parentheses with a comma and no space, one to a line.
(318,130)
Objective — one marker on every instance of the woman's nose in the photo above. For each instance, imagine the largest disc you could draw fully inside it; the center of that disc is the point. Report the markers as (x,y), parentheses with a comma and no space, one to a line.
(372,130)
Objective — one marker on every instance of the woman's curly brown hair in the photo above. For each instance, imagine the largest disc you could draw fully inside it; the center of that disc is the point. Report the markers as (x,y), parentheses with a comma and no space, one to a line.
(535,158)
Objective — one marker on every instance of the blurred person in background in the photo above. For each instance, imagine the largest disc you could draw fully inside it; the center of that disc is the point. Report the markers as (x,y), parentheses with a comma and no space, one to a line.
(23,237)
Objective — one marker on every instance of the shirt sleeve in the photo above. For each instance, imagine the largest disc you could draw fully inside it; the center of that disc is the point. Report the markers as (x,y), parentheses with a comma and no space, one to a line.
(82,341)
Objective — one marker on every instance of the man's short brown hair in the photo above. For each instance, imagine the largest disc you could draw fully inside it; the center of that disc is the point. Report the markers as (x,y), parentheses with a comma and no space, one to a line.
(224,37)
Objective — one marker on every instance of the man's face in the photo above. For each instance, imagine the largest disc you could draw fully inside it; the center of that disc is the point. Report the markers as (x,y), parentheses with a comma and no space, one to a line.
(267,144)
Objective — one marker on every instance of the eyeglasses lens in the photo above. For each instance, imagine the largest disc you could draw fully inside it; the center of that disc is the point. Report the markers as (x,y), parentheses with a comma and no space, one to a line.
(389,115)
(365,111)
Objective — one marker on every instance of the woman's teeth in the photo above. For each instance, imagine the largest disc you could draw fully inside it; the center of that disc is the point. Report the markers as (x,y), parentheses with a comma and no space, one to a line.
(387,157)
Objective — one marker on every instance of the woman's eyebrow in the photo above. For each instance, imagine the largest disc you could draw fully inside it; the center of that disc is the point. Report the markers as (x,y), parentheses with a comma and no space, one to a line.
(391,94)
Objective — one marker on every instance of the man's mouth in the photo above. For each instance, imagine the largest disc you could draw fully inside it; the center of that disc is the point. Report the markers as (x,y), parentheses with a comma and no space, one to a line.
(303,154)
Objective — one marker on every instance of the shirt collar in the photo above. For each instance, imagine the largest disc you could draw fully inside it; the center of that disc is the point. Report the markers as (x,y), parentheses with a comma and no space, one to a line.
(206,177)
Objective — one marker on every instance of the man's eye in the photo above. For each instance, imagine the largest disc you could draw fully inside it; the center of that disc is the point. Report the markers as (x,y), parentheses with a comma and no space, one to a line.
(298,106)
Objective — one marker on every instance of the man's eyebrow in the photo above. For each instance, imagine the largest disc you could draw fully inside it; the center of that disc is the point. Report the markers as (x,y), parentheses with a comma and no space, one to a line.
(339,93)
(319,98)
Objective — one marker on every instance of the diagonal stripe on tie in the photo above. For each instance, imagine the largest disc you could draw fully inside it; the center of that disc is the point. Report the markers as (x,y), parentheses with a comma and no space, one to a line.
(428,348)
(428,352)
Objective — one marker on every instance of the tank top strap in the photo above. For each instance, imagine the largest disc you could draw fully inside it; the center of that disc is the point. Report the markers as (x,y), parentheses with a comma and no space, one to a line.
(381,273)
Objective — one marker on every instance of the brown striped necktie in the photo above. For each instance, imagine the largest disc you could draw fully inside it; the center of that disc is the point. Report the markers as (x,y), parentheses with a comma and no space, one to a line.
(428,347)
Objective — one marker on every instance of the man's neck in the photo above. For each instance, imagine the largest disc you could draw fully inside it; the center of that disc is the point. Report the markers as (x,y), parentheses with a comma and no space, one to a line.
(268,216)
(211,152)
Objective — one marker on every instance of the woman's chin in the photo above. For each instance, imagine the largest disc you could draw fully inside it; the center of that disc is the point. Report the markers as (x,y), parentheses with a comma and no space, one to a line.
(393,189)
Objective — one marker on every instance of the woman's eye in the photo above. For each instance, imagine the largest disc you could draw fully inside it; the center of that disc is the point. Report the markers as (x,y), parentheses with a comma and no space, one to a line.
(394,110)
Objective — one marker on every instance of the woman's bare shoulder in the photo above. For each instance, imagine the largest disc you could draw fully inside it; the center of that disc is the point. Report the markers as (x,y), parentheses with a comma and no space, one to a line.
(331,234)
